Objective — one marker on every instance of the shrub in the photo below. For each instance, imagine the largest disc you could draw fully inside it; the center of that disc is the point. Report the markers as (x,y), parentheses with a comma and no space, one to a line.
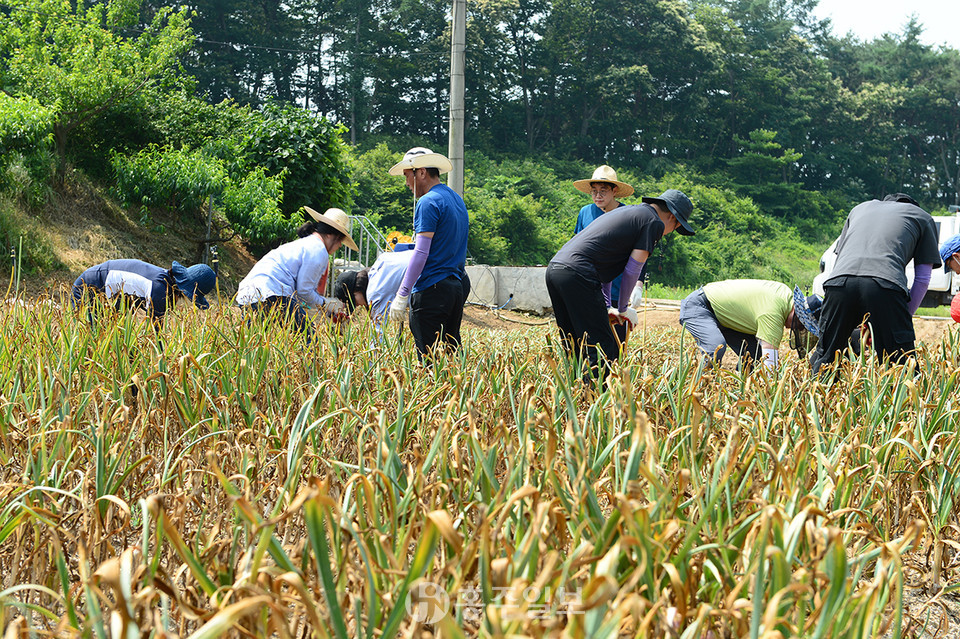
(26,150)
(252,207)
(382,197)
(22,234)
(184,180)
(308,149)
(181,180)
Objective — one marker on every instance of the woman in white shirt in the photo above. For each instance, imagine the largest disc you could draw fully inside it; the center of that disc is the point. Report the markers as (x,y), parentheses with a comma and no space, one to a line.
(288,278)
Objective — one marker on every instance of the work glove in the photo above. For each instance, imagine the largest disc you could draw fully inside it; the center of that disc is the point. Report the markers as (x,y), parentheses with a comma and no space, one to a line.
(630,317)
(398,308)
(636,297)
(334,307)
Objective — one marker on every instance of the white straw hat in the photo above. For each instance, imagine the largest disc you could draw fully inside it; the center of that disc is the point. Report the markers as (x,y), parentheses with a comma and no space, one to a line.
(420,157)
(605,173)
(338,220)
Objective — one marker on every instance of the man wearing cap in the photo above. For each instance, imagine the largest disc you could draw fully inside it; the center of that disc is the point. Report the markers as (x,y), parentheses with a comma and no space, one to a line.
(579,275)
(749,316)
(375,287)
(288,277)
(604,187)
(434,285)
(869,281)
(950,256)
(150,287)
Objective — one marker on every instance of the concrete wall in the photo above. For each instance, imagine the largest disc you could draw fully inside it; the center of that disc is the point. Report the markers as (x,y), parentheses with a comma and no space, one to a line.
(493,285)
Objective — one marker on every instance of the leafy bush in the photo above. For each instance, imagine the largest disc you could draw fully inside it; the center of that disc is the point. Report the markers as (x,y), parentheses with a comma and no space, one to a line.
(382,197)
(252,207)
(26,142)
(24,124)
(181,180)
(308,149)
(733,240)
(519,222)
(22,234)
(184,180)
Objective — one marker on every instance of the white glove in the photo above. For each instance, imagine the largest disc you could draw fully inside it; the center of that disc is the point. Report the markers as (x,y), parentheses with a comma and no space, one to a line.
(636,298)
(333,307)
(398,308)
(770,357)
(630,317)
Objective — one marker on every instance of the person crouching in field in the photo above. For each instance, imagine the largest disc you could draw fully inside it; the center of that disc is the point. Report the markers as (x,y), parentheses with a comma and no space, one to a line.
(950,256)
(749,316)
(374,288)
(579,275)
(289,277)
(148,287)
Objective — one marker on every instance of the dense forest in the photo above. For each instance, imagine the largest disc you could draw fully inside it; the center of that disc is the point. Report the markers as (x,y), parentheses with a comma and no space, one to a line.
(773,123)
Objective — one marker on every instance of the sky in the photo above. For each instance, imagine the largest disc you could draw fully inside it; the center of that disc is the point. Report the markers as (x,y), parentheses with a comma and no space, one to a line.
(869,19)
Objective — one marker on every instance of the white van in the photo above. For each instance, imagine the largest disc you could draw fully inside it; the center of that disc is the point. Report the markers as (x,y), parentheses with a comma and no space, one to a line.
(943,286)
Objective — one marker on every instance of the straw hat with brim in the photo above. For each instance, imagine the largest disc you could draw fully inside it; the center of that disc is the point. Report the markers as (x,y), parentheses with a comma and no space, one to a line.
(605,174)
(678,204)
(421,158)
(807,309)
(194,282)
(338,220)
(947,249)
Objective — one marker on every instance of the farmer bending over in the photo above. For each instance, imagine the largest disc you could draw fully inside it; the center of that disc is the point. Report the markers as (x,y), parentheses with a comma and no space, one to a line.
(146,286)
(579,276)
(869,281)
(749,316)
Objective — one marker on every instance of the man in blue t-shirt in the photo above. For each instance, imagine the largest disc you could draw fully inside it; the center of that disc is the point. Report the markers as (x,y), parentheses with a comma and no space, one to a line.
(435,284)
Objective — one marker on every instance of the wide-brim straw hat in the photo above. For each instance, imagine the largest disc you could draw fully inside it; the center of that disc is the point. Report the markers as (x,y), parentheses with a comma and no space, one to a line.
(605,173)
(420,157)
(338,220)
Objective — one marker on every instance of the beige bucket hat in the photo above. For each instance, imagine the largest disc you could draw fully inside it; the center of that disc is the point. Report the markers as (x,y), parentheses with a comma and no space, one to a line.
(605,173)
(420,157)
(338,220)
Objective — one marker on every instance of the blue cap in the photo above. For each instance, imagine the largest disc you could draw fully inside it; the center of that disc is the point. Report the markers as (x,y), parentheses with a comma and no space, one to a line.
(948,248)
(194,282)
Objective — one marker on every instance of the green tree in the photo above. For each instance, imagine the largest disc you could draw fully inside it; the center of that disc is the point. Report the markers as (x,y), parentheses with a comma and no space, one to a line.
(306,149)
(77,61)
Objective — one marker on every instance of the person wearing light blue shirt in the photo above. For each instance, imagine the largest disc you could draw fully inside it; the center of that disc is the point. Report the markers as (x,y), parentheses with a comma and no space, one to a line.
(376,286)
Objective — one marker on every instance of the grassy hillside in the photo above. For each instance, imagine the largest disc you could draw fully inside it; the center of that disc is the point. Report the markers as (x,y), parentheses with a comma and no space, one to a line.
(79,225)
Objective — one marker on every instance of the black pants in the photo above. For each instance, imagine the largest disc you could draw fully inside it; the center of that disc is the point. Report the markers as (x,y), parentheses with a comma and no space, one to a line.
(847,303)
(286,309)
(436,313)
(581,314)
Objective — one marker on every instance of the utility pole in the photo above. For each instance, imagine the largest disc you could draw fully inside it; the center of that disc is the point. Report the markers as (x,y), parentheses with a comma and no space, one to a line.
(458,42)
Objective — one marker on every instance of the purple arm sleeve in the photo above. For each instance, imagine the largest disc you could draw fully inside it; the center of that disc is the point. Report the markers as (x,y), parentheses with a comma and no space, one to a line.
(631,273)
(419,258)
(921,280)
(607,291)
